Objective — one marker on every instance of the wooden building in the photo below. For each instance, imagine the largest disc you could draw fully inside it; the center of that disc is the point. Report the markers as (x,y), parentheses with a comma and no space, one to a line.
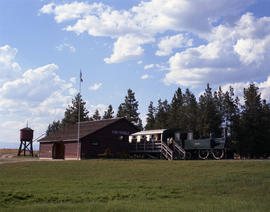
(96,137)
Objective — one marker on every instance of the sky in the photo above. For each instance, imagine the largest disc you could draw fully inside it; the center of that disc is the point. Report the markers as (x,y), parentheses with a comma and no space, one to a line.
(151,46)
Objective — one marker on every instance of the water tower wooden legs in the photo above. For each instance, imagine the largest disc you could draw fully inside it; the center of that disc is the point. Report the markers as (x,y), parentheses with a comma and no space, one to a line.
(26,146)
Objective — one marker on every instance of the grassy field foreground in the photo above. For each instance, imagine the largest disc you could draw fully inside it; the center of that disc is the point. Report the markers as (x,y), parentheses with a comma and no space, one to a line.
(135,185)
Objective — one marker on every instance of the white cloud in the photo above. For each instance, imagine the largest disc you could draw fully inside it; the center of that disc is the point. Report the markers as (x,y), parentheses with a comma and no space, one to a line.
(100,107)
(9,69)
(252,50)
(33,83)
(149,66)
(232,54)
(70,11)
(158,66)
(38,95)
(264,88)
(95,87)
(72,91)
(139,25)
(72,80)
(127,48)
(140,62)
(167,44)
(162,67)
(145,76)
(67,46)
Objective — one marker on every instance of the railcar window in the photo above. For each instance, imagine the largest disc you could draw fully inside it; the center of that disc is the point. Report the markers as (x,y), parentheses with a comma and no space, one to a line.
(143,138)
(183,136)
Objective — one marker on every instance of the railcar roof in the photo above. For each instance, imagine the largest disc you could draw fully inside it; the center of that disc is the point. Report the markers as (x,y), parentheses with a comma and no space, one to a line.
(149,132)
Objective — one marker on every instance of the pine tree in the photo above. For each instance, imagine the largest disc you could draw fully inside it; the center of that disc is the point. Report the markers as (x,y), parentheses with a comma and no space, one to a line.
(52,128)
(251,131)
(71,113)
(162,115)
(121,112)
(210,119)
(190,113)
(150,120)
(265,125)
(231,113)
(176,113)
(129,109)
(109,113)
(96,116)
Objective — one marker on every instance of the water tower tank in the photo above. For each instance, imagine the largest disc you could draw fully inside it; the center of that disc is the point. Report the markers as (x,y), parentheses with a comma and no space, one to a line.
(26,134)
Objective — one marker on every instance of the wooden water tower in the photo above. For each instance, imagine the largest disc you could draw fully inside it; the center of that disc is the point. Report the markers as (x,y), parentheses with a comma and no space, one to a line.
(26,137)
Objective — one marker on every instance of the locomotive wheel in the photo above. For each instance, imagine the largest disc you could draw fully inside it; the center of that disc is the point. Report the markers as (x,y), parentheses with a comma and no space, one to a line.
(188,155)
(183,157)
(218,153)
(203,154)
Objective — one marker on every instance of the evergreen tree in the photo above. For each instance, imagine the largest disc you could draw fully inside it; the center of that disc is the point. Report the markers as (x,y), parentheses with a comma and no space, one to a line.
(210,116)
(71,113)
(96,116)
(251,132)
(150,120)
(129,109)
(265,125)
(176,113)
(190,112)
(121,112)
(162,115)
(230,107)
(52,128)
(231,113)
(109,113)
(220,101)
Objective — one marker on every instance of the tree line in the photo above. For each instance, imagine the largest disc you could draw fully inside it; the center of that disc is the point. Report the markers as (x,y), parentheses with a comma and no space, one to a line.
(248,123)
(127,109)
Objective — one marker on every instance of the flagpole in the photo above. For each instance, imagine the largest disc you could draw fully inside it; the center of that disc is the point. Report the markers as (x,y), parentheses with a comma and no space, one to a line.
(79,117)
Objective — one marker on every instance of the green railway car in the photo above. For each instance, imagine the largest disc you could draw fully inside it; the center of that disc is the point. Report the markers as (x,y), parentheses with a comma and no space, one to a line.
(203,148)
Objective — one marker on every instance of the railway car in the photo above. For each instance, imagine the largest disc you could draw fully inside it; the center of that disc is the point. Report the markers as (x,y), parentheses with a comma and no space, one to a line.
(182,143)
(205,148)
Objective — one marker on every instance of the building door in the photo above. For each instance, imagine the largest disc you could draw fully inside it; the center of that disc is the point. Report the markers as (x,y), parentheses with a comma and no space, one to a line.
(59,150)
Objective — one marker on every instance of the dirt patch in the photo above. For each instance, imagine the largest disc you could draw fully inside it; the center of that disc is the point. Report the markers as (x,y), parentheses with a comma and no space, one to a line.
(10,156)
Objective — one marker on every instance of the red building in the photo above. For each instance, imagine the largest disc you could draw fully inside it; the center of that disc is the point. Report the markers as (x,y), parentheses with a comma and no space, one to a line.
(96,137)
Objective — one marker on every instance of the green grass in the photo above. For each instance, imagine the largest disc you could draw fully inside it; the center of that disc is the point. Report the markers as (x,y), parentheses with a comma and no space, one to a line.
(135,185)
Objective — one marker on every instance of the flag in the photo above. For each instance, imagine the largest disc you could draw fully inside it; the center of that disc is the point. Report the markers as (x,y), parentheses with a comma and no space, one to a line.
(81,80)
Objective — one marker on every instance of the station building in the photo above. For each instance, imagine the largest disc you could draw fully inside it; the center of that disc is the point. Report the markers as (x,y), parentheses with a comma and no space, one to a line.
(95,138)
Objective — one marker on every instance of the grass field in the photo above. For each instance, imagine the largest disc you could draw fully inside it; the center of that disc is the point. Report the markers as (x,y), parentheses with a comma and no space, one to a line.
(135,185)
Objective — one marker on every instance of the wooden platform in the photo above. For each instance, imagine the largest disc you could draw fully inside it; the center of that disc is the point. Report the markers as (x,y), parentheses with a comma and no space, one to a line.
(158,147)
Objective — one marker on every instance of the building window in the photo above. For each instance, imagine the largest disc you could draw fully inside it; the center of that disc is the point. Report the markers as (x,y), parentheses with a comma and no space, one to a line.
(122,138)
(94,143)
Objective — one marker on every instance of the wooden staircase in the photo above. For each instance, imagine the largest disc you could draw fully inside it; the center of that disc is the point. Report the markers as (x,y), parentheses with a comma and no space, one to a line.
(180,152)
(166,151)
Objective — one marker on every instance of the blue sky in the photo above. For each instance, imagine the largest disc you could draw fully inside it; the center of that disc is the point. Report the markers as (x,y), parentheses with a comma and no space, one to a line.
(151,46)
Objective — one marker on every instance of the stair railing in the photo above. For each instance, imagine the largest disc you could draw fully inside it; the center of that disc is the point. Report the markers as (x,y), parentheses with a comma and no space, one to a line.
(166,151)
(180,151)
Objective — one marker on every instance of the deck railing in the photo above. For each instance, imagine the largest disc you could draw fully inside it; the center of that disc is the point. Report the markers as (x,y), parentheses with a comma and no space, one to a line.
(145,147)
(152,147)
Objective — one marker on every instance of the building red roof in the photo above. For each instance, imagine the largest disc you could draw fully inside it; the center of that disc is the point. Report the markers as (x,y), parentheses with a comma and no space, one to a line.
(70,133)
